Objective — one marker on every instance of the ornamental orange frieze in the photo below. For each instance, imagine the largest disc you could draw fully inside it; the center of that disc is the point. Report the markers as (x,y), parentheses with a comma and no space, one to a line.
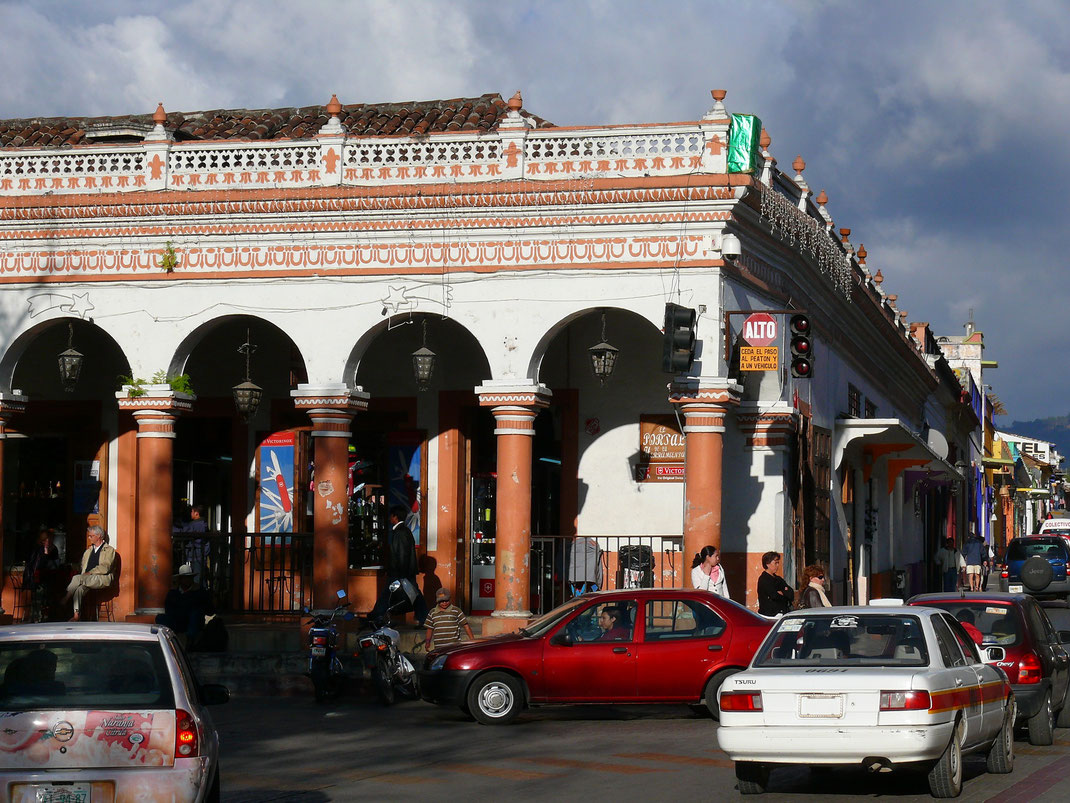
(414,257)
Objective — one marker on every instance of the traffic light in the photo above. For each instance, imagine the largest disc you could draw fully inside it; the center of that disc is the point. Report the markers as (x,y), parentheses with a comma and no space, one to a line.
(802,347)
(678,351)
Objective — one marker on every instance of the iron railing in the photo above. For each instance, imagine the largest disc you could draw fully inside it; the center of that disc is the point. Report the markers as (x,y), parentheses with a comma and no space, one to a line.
(250,573)
(563,566)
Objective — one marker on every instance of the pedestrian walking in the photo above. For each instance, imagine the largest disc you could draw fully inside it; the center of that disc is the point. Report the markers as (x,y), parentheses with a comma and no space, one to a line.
(400,565)
(950,562)
(774,594)
(975,557)
(707,573)
(813,593)
(444,622)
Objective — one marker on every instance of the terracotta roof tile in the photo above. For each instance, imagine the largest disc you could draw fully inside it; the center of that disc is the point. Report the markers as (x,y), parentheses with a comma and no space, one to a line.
(358,119)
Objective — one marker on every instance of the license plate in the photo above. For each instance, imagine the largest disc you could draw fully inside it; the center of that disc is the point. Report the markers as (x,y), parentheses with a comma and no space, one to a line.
(53,792)
(1015,588)
(319,652)
(821,706)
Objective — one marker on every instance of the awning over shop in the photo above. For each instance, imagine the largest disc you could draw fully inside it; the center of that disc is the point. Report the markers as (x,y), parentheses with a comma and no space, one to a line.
(891,438)
(1042,493)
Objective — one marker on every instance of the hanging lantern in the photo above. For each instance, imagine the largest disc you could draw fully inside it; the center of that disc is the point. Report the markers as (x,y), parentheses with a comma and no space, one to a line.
(70,363)
(423,363)
(603,356)
(247,394)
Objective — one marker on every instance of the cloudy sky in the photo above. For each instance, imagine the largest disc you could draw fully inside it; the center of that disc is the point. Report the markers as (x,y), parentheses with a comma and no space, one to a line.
(937,129)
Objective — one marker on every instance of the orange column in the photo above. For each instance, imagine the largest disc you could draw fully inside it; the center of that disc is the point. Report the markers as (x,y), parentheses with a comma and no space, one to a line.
(514,408)
(155,415)
(704,415)
(331,410)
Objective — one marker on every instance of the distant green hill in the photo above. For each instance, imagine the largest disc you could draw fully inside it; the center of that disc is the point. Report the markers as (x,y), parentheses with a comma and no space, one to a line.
(1056,430)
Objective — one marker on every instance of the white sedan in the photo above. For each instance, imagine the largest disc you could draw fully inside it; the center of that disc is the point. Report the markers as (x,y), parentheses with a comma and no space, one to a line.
(878,686)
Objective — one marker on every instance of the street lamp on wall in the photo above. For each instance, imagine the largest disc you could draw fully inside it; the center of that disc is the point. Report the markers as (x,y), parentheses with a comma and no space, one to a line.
(247,395)
(423,362)
(70,363)
(603,357)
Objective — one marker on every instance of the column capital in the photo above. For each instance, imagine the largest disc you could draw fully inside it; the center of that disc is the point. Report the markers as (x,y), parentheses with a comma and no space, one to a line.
(154,397)
(331,407)
(715,391)
(510,393)
(771,428)
(11,404)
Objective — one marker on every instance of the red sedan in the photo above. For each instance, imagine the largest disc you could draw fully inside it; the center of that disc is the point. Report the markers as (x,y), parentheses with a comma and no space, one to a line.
(643,645)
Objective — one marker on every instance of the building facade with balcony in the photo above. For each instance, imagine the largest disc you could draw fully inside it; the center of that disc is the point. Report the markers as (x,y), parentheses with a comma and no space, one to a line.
(413,294)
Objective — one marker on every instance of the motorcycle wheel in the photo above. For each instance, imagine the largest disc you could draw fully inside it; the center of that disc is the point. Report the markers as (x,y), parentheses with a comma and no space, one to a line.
(320,681)
(384,683)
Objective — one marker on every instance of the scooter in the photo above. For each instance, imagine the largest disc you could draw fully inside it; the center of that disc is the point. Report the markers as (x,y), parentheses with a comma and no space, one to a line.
(324,666)
(392,671)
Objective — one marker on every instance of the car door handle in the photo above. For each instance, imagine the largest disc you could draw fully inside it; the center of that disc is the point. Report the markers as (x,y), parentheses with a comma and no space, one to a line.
(620,650)
(714,647)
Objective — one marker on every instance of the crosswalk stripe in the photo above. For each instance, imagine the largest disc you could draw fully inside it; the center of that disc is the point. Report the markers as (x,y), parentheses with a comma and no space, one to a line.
(677,759)
(624,769)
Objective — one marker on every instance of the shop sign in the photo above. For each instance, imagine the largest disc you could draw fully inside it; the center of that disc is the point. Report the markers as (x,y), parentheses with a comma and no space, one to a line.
(486,588)
(277,483)
(661,449)
(758,358)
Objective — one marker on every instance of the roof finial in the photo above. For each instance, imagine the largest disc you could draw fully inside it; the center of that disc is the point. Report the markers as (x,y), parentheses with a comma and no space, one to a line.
(862,254)
(844,235)
(159,116)
(516,102)
(765,140)
(821,198)
(798,165)
(717,112)
(878,277)
(334,108)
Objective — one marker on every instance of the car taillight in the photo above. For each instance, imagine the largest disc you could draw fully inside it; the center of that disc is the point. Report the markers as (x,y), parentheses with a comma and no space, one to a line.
(741,701)
(905,701)
(319,641)
(187,735)
(1029,669)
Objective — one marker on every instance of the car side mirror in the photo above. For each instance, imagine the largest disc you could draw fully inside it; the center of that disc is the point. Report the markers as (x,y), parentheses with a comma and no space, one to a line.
(991,655)
(561,639)
(215,694)
(1064,636)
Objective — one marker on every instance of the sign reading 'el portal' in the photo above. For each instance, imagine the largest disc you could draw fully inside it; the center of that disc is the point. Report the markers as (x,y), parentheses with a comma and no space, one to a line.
(661,450)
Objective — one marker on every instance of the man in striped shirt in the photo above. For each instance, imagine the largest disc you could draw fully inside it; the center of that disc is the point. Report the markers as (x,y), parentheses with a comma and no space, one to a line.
(445,621)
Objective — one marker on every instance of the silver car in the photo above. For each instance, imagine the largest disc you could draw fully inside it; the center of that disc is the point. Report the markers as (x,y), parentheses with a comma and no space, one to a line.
(103,712)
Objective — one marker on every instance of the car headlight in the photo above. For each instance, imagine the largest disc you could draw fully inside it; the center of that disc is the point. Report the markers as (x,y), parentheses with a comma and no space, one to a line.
(438,663)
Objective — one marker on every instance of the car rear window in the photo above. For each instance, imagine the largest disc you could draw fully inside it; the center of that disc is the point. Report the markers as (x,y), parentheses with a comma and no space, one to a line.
(857,639)
(1000,624)
(1023,548)
(84,674)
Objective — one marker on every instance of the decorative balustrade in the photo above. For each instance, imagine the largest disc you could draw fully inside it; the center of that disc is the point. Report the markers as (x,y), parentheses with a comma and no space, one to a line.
(545,154)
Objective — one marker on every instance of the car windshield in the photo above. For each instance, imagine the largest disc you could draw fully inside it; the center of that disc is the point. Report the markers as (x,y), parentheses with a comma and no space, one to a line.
(84,675)
(855,639)
(548,620)
(1022,548)
(999,623)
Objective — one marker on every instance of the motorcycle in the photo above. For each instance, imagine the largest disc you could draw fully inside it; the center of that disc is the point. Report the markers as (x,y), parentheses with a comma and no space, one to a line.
(324,665)
(392,671)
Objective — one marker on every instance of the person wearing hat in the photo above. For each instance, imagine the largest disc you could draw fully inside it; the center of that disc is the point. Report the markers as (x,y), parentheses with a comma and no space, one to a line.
(186,605)
(444,622)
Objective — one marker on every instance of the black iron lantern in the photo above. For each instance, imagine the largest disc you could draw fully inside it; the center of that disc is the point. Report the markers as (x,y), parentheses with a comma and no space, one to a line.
(247,395)
(603,356)
(423,363)
(70,363)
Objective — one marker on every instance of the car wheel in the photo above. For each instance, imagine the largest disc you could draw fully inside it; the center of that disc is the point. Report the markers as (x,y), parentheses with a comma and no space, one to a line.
(752,777)
(1036,573)
(1042,723)
(1001,753)
(710,696)
(212,795)
(1064,713)
(495,698)
(945,778)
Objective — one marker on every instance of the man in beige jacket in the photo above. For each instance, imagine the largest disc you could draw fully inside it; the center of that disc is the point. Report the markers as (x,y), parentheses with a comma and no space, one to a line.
(97,563)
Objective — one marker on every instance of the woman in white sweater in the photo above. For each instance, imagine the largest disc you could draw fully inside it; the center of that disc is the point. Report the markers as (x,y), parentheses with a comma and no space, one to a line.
(707,573)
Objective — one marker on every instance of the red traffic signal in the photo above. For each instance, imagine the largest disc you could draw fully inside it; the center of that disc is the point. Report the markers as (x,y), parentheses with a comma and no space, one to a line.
(802,347)
(678,346)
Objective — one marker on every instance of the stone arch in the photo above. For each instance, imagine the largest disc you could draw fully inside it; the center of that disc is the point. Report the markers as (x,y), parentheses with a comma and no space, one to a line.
(30,363)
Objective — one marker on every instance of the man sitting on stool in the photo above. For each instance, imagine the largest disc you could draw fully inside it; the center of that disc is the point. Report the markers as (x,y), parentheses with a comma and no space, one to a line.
(97,562)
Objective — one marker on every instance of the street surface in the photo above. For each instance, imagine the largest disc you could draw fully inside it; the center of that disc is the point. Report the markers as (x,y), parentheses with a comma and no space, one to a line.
(290,749)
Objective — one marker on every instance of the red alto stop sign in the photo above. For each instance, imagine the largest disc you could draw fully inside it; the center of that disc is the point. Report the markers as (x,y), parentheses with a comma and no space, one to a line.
(760,329)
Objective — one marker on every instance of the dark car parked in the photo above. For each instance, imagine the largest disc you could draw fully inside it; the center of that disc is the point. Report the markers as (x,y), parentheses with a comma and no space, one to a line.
(1018,637)
(1037,564)
(628,646)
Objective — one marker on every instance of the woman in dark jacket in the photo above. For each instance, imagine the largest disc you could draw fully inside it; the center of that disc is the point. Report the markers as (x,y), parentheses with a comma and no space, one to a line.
(40,575)
(813,594)
(774,595)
